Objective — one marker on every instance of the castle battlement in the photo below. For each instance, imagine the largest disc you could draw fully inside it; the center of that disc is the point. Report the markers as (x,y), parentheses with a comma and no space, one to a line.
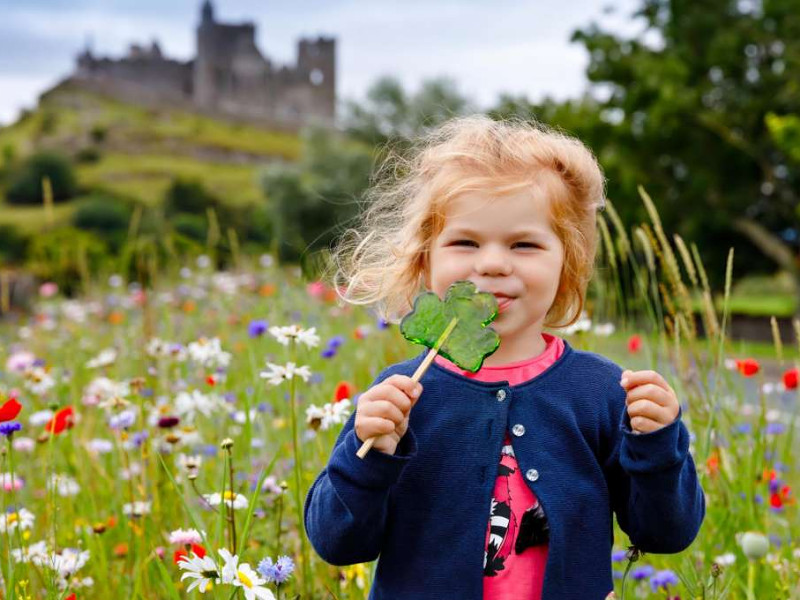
(229,76)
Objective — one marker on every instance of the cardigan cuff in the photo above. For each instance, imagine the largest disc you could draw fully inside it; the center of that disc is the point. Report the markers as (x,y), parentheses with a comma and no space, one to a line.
(643,453)
(377,470)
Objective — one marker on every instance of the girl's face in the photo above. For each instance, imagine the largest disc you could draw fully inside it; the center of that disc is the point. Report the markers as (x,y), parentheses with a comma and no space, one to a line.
(507,247)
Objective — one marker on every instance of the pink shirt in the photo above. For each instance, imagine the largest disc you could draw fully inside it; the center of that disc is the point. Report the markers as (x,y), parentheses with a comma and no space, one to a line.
(515,516)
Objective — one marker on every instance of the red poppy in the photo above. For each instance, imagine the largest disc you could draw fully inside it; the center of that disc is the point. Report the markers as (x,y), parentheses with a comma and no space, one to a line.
(63,419)
(179,554)
(790,379)
(72,596)
(344,389)
(712,464)
(748,367)
(634,343)
(775,501)
(10,410)
(211,379)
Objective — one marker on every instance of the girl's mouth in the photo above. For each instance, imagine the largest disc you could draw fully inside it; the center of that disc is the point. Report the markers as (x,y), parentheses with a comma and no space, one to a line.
(503,303)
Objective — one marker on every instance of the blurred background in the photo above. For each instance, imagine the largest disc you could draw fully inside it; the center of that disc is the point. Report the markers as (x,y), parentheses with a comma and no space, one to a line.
(139,135)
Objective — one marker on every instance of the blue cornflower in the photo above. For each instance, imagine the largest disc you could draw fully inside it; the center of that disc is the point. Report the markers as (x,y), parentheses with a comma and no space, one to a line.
(775,428)
(663,579)
(257,328)
(643,572)
(383,324)
(618,555)
(744,428)
(9,427)
(277,572)
(328,353)
(336,341)
(122,420)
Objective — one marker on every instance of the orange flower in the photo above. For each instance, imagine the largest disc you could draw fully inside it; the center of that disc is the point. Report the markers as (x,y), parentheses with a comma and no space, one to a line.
(712,464)
(634,343)
(790,379)
(748,367)
(188,306)
(121,550)
(116,317)
(266,290)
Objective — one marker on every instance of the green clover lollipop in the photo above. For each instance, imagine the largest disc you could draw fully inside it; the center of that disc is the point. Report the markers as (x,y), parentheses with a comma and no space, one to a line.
(456,329)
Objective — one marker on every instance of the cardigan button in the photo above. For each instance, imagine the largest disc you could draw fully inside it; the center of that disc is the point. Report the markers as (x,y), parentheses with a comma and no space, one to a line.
(532,475)
(501,395)
(518,430)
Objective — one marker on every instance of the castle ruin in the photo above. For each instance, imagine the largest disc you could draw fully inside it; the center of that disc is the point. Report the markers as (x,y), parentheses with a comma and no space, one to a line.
(228,77)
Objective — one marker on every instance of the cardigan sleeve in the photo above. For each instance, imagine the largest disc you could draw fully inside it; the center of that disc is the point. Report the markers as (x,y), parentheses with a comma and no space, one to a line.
(346,508)
(653,483)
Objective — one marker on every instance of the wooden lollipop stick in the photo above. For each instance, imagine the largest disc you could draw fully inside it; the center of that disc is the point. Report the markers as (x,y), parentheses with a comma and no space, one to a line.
(362,452)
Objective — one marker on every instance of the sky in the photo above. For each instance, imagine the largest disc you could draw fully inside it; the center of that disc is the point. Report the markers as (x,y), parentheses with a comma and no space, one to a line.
(487,48)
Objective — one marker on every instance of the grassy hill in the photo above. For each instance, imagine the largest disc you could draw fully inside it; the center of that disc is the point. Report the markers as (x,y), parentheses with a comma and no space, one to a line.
(137,152)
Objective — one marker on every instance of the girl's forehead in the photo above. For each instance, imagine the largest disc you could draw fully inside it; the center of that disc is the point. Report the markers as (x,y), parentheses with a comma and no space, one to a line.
(486,210)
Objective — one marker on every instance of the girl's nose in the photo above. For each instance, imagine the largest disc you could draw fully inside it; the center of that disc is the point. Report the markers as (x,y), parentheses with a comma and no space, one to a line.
(492,261)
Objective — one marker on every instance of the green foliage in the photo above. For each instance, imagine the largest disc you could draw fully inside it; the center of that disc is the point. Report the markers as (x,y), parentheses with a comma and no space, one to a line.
(188,196)
(66,256)
(194,227)
(311,201)
(26,186)
(470,342)
(88,155)
(103,214)
(391,115)
(13,244)
(98,133)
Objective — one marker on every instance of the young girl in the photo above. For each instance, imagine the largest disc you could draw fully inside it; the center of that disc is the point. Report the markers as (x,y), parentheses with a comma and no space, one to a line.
(498,484)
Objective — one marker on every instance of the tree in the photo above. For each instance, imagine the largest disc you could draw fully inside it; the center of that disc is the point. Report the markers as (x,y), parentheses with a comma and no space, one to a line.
(689,98)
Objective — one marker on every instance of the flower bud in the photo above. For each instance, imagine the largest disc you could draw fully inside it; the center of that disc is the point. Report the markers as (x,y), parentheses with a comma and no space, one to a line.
(754,545)
(226,444)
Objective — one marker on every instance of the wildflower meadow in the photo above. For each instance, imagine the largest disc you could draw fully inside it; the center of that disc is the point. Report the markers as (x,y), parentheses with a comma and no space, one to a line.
(157,440)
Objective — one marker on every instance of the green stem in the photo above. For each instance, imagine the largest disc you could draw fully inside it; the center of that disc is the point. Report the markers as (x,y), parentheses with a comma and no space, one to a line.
(233,496)
(297,471)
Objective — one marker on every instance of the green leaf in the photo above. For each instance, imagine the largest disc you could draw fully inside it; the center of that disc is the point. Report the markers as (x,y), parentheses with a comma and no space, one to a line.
(471,341)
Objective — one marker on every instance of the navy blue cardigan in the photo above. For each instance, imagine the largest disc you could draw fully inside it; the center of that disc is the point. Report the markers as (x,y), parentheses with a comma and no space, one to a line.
(424,510)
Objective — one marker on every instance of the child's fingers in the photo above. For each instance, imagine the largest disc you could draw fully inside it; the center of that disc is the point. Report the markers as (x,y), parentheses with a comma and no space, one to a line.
(651,392)
(411,388)
(644,425)
(385,410)
(631,379)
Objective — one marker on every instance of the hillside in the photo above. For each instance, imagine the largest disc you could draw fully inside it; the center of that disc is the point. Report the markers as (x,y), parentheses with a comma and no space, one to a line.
(137,152)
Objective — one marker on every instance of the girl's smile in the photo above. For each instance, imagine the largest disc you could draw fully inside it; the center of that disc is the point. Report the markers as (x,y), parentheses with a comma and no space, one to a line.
(505,246)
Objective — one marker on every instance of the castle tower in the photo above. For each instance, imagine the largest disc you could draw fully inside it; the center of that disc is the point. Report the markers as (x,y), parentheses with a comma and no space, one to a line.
(204,78)
(316,60)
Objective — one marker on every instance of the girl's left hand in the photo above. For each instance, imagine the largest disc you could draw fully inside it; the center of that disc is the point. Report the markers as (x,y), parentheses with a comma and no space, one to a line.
(651,401)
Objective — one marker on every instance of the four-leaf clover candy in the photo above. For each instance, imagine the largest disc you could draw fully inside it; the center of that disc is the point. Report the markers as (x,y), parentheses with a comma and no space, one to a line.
(456,328)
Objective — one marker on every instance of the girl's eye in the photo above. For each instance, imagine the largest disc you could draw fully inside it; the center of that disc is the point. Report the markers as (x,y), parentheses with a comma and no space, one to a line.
(527,244)
(464,242)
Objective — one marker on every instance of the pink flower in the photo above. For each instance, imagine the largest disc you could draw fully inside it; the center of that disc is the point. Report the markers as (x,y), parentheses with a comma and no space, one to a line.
(48,289)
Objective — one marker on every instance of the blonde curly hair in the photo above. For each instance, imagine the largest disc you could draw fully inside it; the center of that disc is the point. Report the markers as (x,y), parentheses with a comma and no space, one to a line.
(383,261)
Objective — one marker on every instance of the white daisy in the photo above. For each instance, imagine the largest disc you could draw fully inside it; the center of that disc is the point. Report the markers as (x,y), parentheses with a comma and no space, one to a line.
(726,559)
(38,381)
(36,553)
(188,404)
(231,499)
(308,337)
(22,519)
(203,570)
(278,374)
(68,561)
(243,576)
(136,509)
(105,358)
(333,413)
(209,353)
(106,393)
(64,485)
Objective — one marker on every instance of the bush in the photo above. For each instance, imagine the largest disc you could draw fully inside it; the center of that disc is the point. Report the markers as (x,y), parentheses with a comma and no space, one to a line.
(88,155)
(102,214)
(13,244)
(26,186)
(98,133)
(194,227)
(188,196)
(66,256)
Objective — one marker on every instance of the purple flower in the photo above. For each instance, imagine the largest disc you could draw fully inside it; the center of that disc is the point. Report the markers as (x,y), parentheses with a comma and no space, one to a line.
(257,328)
(138,438)
(618,555)
(617,574)
(775,428)
(643,572)
(328,353)
(663,579)
(774,485)
(744,428)
(336,341)
(383,324)
(122,420)
(9,427)
(278,572)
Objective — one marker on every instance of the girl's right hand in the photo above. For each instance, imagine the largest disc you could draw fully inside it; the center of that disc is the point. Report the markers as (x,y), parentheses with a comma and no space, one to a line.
(382,411)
